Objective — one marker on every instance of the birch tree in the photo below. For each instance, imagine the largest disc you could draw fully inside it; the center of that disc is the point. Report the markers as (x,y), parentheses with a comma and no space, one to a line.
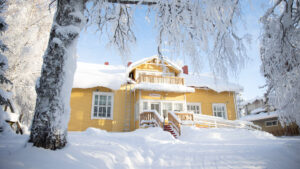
(4,95)
(31,20)
(280,55)
(191,27)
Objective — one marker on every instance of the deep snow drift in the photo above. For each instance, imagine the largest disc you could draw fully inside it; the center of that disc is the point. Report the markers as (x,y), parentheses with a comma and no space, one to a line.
(154,148)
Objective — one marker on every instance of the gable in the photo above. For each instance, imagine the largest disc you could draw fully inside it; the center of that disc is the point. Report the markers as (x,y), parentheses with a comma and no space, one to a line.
(153,65)
(157,66)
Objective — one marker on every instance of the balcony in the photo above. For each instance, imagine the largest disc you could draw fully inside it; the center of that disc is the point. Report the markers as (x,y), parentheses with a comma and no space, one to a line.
(160,79)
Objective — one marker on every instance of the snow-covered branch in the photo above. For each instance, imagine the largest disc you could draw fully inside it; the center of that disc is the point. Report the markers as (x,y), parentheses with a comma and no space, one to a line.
(280,55)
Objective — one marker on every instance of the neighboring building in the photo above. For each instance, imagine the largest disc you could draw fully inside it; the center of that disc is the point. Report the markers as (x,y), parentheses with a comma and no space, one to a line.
(268,121)
(266,117)
(113,97)
(254,106)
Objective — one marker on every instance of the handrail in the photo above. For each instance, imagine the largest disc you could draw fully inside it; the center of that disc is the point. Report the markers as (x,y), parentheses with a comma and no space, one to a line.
(151,115)
(219,122)
(214,122)
(174,122)
(185,116)
(160,79)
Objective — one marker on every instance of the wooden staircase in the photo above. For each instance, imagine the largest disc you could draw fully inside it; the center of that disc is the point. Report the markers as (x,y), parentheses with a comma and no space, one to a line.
(169,129)
(152,118)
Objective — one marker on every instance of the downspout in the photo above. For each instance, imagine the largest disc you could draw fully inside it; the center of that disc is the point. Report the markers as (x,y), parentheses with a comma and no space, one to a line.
(235,105)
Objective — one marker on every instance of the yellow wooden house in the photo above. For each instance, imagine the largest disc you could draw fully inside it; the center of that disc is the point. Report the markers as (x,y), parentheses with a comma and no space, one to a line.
(116,98)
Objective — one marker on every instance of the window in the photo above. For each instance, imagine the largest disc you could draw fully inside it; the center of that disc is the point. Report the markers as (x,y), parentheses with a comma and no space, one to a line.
(219,110)
(167,106)
(155,106)
(194,107)
(271,123)
(145,106)
(102,105)
(178,107)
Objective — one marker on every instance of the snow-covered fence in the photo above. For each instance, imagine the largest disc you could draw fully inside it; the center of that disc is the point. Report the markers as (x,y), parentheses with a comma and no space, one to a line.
(206,121)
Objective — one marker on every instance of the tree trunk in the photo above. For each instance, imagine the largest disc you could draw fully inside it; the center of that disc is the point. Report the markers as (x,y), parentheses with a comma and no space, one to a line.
(49,126)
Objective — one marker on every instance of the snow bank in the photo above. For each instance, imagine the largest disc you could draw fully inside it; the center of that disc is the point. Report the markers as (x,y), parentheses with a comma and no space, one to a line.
(89,75)
(223,135)
(260,116)
(155,148)
(211,82)
(163,87)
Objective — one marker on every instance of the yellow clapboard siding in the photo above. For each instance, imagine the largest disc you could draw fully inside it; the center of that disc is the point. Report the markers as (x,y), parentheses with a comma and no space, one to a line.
(208,97)
(81,107)
(148,95)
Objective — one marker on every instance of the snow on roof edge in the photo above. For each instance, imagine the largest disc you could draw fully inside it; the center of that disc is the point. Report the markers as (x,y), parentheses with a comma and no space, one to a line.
(89,75)
(260,116)
(164,87)
(139,62)
(210,82)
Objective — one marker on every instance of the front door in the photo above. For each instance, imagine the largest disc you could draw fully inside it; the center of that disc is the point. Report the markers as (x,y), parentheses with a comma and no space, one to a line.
(156,106)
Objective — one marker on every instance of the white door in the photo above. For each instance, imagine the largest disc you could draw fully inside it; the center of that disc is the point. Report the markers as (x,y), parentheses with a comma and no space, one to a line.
(156,106)
(167,106)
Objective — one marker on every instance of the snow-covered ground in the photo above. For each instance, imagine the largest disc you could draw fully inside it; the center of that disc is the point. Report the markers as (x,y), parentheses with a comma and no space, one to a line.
(154,148)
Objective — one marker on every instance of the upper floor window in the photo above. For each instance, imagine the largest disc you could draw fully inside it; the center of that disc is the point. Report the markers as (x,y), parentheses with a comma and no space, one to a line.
(194,107)
(219,110)
(102,105)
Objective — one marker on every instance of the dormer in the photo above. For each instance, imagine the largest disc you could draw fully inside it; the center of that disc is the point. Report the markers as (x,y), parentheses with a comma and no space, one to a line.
(153,67)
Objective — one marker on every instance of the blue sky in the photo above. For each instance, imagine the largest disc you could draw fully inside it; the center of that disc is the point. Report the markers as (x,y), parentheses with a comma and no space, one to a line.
(93,49)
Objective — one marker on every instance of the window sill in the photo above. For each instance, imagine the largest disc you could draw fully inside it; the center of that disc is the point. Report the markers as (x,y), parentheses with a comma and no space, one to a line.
(101,118)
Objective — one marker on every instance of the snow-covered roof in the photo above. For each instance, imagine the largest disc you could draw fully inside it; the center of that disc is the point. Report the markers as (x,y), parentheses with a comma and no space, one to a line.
(253,100)
(211,82)
(260,116)
(258,110)
(164,87)
(139,62)
(90,75)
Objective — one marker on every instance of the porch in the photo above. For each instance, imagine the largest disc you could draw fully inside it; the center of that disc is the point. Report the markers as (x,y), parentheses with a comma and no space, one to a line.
(174,120)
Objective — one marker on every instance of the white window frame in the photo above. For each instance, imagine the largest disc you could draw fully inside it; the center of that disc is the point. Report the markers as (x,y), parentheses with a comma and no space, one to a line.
(225,108)
(194,104)
(182,106)
(161,104)
(272,123)
(112,104)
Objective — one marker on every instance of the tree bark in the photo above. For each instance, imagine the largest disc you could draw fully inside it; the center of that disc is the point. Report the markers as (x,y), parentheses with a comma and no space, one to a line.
(49,126)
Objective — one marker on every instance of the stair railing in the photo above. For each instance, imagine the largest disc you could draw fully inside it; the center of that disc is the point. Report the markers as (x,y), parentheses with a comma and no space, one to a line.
(174,122)
(149,116)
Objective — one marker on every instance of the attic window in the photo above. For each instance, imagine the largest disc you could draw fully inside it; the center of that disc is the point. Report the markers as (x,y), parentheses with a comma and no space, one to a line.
(131,75)
(102,107)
